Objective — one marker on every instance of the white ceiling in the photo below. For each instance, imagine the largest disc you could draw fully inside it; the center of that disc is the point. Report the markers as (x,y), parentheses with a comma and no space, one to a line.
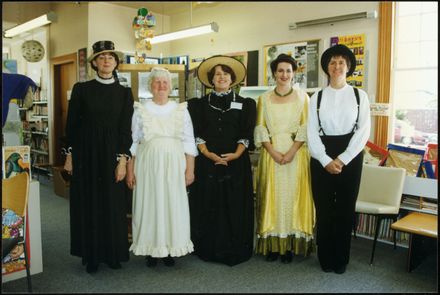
(167,8)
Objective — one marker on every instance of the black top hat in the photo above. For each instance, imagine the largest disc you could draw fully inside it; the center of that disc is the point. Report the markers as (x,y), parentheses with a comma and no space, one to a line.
(102,47)
(283,58)
(338,50)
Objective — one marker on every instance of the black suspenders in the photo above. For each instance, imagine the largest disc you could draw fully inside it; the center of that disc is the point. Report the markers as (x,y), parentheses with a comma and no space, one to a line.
(356,93)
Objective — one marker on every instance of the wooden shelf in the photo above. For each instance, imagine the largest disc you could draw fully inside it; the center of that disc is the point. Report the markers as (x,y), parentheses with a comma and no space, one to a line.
(40,117)
(39,152)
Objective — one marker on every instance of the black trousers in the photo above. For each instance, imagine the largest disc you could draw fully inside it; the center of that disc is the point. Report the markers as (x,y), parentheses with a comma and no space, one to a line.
(335,200)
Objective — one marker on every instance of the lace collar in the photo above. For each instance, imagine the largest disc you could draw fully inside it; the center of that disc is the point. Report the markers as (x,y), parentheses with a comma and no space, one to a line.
(221,94)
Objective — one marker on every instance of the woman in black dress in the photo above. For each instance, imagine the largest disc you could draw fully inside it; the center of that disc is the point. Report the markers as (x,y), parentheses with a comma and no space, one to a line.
(98,133)
(221,198)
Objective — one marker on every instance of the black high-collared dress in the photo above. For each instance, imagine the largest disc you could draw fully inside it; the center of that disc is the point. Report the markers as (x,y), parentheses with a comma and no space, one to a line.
(98,129)
(221,198)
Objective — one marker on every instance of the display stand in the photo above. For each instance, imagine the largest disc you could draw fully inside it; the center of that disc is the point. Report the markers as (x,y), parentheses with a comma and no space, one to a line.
(34,227)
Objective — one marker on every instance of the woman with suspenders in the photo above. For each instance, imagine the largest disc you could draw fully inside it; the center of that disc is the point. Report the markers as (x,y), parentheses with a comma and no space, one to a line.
(338,129)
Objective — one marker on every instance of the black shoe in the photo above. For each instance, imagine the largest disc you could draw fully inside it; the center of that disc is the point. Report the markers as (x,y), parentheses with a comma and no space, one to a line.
(92,267)
(272,256)
(327,269)
(114,265)
(287,258)
(168,261)
(341,269)
(151,261)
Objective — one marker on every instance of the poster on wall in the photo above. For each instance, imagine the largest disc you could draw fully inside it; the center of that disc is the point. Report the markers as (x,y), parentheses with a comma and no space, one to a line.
(305,53)
(9,66)
(82,65)
(357,44)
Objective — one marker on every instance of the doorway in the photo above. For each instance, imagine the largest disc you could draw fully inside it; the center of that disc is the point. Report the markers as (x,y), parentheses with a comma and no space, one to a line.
(64,69)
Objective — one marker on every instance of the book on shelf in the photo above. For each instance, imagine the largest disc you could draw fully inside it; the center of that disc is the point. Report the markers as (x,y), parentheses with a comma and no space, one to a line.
(367,224)
(374,154)
(16,160)
(405,157)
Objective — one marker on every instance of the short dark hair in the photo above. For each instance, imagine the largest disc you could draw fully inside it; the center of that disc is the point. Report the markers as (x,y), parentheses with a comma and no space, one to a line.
(282,58)
(112,53)
(346,57)
(225,68)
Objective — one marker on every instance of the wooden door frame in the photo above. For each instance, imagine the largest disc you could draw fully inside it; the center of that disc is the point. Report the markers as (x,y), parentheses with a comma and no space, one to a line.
(54,62)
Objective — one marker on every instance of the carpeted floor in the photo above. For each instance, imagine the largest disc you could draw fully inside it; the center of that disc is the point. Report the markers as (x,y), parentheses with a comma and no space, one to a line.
(63,273)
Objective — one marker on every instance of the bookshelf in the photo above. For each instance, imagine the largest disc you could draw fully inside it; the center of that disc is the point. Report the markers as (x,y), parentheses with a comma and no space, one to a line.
(36,133)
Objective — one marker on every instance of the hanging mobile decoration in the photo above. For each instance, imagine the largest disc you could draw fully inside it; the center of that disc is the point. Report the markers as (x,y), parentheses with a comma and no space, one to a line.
(143,32)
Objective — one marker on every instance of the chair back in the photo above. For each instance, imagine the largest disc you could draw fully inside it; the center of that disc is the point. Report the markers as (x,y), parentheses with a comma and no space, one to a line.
(15,191)
(382,185)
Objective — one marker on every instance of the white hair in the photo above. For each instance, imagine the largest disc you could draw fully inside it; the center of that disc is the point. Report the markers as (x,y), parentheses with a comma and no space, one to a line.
(157,72)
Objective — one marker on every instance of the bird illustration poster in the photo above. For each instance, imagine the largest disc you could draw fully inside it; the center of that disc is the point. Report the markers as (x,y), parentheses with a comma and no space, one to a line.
(16,160)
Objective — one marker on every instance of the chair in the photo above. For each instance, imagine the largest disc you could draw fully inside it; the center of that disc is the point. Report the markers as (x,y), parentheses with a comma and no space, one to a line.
(380,193)
(15,191)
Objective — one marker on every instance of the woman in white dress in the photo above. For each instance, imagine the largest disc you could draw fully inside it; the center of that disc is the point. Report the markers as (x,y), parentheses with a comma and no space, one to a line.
(162,166)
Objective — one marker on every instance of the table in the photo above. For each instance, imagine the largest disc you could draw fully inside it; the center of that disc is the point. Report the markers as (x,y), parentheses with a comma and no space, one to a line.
(422,228)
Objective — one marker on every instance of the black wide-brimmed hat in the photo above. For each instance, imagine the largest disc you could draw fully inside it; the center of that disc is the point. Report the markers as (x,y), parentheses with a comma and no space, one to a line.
(338,50)
(237,67)
(103,47)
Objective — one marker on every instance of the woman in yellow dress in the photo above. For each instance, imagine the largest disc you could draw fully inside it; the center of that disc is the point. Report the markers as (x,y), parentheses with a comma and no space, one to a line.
(285,210)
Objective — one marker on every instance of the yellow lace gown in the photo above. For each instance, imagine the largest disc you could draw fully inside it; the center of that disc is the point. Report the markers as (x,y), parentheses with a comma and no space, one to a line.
(285,209)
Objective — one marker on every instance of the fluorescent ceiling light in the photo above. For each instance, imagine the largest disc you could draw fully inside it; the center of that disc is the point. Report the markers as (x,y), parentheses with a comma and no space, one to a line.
(194,31)
(327,20)
(30,25)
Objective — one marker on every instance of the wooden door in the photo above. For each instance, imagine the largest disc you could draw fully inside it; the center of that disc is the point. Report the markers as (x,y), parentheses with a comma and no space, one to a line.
(64,70)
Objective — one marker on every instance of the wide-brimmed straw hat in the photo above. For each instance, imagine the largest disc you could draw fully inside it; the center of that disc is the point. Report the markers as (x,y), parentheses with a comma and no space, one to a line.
(338,50)
(237,67)
(103,47)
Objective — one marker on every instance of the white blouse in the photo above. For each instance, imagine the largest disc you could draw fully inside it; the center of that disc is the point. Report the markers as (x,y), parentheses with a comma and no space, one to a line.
(189,145)
(338,111)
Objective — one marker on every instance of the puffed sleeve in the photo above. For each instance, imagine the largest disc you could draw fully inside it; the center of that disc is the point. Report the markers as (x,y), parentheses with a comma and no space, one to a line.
(125,121)
(189,145)
(195,111)
(247,123)
(261,133)
(136,128)
(301,134)
(74,117)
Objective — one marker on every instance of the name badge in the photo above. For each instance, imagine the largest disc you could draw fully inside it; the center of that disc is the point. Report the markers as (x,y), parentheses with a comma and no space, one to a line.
(236,105)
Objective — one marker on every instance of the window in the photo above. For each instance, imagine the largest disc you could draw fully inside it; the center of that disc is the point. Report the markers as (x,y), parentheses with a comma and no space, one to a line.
(415,65)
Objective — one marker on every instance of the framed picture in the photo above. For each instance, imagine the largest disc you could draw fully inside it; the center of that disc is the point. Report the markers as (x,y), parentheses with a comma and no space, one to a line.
(124,79)
(243,57)
(306,54)
(82,65)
